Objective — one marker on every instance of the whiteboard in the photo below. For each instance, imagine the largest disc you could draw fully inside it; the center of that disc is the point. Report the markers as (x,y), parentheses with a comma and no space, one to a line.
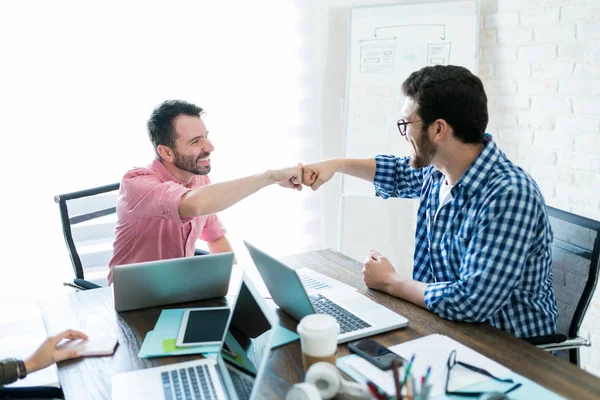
(386,44)
(387,226)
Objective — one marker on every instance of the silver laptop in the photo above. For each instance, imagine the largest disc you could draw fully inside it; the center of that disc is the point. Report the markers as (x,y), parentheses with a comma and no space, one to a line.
(303,291)
(232,374)
(158,283)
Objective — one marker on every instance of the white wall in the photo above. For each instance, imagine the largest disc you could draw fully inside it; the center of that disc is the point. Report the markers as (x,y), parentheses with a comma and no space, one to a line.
(541,68)
(540,62)
(79,79)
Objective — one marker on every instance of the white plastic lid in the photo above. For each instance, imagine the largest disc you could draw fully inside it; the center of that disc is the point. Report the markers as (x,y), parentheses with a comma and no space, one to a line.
(318,326)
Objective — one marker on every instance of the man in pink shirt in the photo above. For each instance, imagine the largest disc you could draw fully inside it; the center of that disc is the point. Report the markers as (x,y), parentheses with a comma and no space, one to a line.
(164,208)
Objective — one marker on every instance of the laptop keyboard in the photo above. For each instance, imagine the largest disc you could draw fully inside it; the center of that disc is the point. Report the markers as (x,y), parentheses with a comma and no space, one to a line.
(348,321)
(188,384)
(242,383)
(311,283)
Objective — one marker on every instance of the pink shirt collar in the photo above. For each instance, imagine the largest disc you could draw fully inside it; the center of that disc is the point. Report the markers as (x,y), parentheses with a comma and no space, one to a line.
(166,175)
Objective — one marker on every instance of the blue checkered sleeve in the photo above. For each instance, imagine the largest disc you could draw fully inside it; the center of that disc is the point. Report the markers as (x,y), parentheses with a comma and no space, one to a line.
(493,260)
(394,175)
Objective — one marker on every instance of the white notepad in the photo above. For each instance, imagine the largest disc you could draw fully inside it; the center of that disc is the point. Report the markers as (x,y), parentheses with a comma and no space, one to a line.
(432,350)
(94,346)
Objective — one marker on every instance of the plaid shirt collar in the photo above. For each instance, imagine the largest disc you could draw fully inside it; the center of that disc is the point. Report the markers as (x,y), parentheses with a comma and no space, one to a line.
(476,176)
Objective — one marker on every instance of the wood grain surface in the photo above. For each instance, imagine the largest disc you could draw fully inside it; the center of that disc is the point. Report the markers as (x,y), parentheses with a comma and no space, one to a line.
(93,311)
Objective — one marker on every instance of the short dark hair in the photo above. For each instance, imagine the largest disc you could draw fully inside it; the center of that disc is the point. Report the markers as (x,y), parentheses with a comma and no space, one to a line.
(451,93)
(160,124)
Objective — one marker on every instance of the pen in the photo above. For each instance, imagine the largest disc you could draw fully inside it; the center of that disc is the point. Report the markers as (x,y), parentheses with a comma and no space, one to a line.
(427,373)
(374,391)
(407,371)
(425,377)
(408,389)
(396,379)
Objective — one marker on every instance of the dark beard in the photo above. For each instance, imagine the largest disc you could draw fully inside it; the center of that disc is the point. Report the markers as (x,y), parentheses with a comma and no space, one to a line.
(190,163)
(425,150)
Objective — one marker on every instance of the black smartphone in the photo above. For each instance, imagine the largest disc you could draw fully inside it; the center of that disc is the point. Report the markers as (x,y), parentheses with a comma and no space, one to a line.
(375,353)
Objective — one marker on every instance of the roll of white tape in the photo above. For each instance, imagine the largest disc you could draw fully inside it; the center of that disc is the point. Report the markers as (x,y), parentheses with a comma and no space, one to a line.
(303,391)
(326,378)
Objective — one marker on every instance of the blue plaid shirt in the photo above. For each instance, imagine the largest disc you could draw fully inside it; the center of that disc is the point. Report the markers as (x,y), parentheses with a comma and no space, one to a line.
(487,254)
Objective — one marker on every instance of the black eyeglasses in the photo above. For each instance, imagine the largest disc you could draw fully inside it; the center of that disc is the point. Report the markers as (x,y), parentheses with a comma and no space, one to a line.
(402,123)
(452,363)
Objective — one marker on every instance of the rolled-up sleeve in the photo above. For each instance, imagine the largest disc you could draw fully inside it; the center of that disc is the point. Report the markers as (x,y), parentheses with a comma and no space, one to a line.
(147,196)
(493,262)
(213,229)
(394,175)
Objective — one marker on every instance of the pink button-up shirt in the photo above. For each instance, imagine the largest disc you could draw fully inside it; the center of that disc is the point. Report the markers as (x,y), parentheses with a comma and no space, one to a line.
(149,227)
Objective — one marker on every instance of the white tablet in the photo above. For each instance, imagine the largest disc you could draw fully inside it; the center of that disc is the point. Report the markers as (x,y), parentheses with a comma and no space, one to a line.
(203,326)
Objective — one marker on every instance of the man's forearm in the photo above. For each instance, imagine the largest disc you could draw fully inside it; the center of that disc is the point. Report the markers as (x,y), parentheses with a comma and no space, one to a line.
(217,197)
(409,290)
(221,245)
(359,168)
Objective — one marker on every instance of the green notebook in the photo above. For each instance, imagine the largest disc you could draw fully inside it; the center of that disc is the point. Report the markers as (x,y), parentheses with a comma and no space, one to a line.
(161,341)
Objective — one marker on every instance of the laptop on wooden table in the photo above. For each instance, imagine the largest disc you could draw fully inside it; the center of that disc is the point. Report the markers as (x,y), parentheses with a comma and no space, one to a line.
(234,373)
(175,280)
(302,292)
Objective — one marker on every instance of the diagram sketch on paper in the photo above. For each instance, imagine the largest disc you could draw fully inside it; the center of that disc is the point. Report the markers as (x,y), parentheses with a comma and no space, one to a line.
(438,53)
(377,58)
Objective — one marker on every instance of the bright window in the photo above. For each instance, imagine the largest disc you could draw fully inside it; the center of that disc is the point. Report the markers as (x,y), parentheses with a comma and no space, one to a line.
(78,80)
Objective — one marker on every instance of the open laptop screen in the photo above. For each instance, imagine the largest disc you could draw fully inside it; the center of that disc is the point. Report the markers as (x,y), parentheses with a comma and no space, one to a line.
(248,335)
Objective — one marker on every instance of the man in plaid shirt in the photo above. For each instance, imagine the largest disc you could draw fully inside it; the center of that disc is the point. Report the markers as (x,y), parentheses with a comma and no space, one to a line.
(482,245)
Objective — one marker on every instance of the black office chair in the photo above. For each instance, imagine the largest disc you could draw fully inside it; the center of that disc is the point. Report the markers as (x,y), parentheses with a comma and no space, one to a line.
(88,219)
(32,393)
(575,266)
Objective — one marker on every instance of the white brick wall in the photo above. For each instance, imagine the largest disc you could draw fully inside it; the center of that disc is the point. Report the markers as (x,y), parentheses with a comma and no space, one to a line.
(583,123)
(580,12)
(590,30)
(501,19)
(538,15)
(516,36)
(587,70)
(552,103)
(586,104)
(517,69)
(580,50)
(535,120)
(529,85)
(554,33)
(541,68)
(536,52)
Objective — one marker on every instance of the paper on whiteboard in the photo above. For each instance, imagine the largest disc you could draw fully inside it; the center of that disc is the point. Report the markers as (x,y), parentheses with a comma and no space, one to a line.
(438,54)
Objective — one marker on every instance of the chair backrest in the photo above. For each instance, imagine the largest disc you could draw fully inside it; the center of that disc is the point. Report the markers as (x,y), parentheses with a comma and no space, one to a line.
(88,220)
(575,265)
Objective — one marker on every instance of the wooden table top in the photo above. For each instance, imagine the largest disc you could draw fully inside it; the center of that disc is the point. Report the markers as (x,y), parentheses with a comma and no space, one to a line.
(93,311)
